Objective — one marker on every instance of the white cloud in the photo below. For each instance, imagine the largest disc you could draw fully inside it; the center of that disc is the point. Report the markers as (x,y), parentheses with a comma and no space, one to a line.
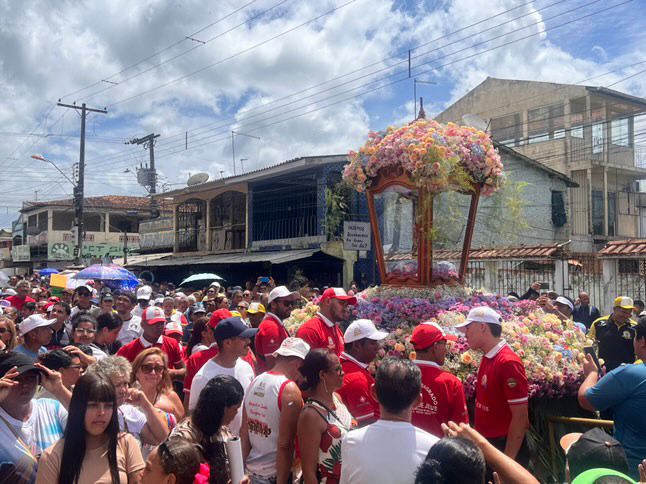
(51,51)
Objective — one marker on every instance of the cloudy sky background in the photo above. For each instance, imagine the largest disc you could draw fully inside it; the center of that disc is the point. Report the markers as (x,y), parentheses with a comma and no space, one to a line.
(307,77)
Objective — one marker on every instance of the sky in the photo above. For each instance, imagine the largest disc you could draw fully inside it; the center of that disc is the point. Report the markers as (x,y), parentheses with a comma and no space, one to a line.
(291,78)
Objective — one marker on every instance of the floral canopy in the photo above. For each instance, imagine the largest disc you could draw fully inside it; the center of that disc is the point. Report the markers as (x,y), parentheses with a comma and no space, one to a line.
(436,156)
(406,172)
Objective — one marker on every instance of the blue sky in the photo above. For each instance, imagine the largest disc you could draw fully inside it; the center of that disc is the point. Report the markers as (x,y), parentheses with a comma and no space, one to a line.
(257,66)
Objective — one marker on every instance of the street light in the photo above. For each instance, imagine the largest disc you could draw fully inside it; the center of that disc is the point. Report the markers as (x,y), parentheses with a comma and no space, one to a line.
(78,207)
(42,158)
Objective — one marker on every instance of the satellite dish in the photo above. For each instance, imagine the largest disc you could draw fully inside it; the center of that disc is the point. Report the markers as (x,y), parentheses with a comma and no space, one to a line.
(475,121)
(197,179)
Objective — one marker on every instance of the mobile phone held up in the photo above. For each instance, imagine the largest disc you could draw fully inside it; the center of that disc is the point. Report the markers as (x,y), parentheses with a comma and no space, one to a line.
(545,285)
(589,350)
(264,279)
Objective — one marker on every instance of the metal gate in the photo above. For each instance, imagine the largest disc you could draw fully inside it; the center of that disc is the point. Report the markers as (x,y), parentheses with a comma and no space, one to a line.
(585,274)
(631,278)
(518,275)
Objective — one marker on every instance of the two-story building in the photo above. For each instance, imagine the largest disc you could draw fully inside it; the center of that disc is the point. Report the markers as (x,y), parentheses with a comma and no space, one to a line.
(280,221)
(48,235)
(584,132)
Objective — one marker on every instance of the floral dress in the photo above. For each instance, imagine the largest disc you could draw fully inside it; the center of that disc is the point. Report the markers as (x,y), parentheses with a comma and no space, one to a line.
(339,422)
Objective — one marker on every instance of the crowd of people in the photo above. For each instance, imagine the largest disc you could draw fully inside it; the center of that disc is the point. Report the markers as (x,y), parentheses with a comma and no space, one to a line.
(163,385)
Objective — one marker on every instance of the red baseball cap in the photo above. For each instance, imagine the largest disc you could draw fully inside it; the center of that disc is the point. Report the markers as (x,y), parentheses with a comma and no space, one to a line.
(338,293)
(427,334)
(153,315)
(219,315)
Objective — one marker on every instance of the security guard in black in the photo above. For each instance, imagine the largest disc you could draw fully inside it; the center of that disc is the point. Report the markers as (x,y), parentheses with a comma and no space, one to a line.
(614,335)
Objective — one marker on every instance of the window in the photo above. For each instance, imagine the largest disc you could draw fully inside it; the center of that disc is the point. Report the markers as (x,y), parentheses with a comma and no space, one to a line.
(598,138)
(93,222)
(577,117)
(546,123)
(559,217)
(597,212)
(620,132)
(63,220)
(507,129)
(32,221)
(123,223)
(42,221)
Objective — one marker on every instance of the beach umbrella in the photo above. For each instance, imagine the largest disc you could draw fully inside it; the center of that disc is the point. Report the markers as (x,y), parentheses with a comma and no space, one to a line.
(48,271)
(202,278)
(106,272)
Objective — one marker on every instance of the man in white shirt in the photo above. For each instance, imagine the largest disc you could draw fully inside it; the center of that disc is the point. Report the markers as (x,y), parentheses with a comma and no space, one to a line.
(391,449)
(131,328)
(144,293)
(28,426)
(233,338)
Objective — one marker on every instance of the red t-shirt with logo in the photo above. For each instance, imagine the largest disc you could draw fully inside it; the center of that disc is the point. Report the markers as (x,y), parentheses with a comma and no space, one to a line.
(199,359)
(355,391)
(270,335)
(18,302)
(442,399)
(168,345)
(501,383)
(318,334)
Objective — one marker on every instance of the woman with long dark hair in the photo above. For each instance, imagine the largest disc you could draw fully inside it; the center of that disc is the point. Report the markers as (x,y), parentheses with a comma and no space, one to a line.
(324,420)
(92,450)
(207,426)
(201,338)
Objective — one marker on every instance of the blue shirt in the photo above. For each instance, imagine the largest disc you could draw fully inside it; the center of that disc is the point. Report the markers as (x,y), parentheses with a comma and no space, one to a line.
(26,351)
(624,391)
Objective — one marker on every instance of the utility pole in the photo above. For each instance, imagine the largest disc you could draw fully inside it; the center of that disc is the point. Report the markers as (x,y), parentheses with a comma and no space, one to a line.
(80,185)
(149,144)
(125,248)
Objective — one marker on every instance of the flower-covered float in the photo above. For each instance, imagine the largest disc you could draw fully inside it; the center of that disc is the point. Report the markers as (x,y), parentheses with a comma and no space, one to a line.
(405,173)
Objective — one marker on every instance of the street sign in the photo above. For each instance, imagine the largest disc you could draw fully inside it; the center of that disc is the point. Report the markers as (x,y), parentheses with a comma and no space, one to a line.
(356,235)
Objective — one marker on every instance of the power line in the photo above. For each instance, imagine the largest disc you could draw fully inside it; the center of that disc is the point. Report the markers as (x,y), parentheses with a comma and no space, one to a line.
(243,51)
(161,51)
(399,80)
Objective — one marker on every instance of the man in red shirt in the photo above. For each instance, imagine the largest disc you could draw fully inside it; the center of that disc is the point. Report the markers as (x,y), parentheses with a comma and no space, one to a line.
(23,288)
(322,331)
(153,322)
(271,331)
(501,389)
(361,347)
(442,393)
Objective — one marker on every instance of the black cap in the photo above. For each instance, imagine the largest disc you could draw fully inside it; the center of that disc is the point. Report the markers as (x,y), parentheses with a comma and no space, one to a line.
(106,296)
(232,328)
(596,448)
(11,358)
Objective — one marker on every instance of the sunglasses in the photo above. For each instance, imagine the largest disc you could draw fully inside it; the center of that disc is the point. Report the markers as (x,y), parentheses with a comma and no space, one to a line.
(338,369)
(241,307)
(3,330)
(152,368)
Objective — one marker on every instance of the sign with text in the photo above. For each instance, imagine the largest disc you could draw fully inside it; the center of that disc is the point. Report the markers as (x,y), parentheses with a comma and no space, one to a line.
(356,235)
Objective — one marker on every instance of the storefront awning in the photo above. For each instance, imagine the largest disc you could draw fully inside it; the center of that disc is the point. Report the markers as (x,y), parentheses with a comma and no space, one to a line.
(273,257)
(140,259)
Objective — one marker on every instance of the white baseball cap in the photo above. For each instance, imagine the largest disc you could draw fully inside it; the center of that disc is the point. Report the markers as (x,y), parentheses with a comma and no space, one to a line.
(33,322)
(293,347)
(363,328)
(482,314)
(215,284)
(144,292)
(278,292)
(565,301)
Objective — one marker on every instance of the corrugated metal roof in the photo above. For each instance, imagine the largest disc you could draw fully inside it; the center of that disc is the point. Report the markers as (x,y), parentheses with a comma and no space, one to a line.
(522,252)
(274,257)
(635,247)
